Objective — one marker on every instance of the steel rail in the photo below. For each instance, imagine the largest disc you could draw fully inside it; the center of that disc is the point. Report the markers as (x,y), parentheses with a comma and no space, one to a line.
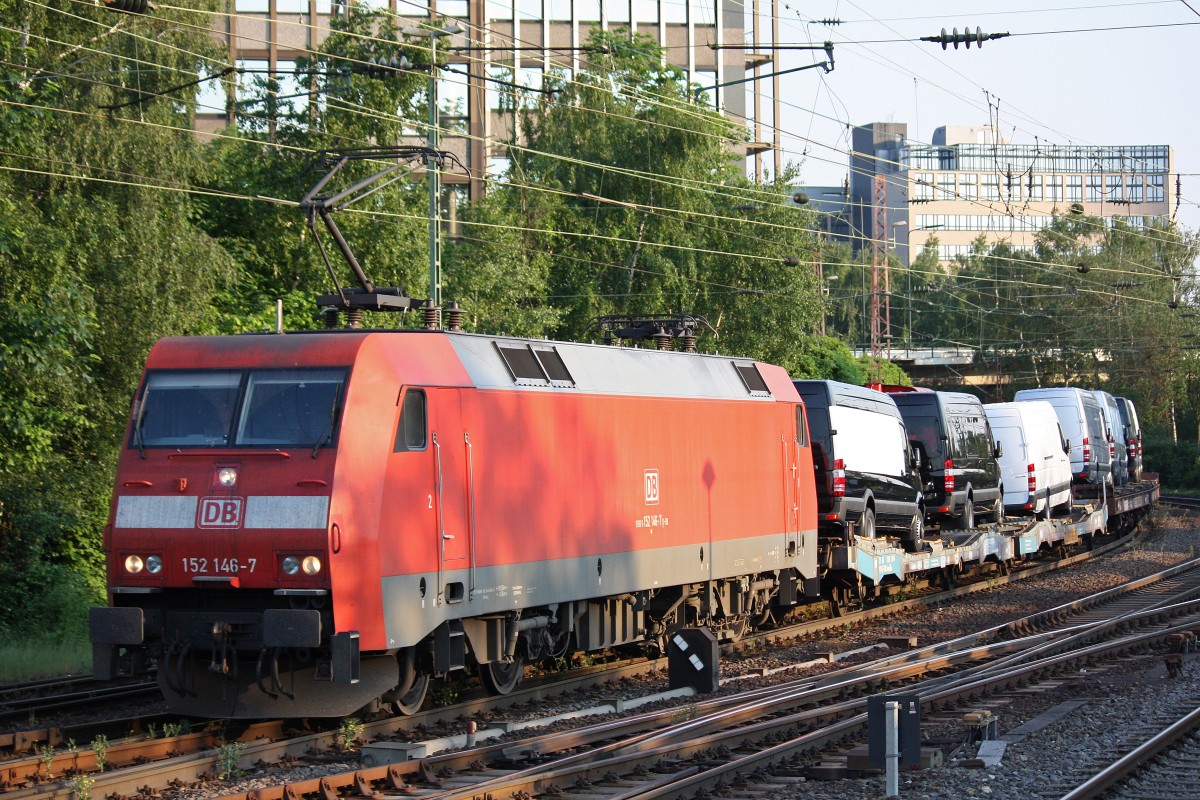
(1128,764)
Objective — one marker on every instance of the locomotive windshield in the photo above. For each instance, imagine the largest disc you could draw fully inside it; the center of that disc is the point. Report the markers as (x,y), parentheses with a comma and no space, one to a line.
(239,408)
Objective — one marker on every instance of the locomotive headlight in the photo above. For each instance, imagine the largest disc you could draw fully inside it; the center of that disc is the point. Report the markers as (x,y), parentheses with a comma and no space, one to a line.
(227,477)
(154,564)
(311,565)
(291,565)
(133,564)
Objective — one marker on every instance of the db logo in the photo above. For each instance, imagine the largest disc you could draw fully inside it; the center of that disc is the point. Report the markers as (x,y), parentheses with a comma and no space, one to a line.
(651,480)
(220,512)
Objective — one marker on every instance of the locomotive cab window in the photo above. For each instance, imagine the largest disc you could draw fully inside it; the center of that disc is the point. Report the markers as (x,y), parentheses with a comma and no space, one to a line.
(290,407)
(411,433)
(240,408)
(188,409)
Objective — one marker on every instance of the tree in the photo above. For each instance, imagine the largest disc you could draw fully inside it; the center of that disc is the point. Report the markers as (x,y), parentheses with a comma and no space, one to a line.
(97,260)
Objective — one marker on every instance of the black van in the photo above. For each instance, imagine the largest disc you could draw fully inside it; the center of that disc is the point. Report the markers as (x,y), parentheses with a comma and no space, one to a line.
(865,469)
(958,455)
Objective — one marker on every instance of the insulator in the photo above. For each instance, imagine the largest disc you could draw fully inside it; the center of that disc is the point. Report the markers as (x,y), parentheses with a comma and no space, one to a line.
(128,6)
(432,315)
(662,340)
(608,337)
(454,317)
(331,317)
(354,318)
(687,341)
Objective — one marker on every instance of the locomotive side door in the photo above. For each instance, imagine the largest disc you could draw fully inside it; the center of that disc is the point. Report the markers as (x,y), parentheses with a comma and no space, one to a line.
(451,465)
(793,452)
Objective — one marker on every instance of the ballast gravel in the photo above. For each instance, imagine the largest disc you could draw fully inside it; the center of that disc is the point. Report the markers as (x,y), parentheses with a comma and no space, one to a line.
(1039,765)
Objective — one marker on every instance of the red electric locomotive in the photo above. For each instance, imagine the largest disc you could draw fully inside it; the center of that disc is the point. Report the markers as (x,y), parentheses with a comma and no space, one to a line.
(304,524)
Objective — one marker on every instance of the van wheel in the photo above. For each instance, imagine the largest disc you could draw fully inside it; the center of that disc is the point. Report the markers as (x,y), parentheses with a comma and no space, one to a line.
(866,525)
(998,509)
(916,534)
(966,518)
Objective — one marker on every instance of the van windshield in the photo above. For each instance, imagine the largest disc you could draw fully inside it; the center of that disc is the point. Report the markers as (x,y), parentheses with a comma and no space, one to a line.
(925,430)
(246,408)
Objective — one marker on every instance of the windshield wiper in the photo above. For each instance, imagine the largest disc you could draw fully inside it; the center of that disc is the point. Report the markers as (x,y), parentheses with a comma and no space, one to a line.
(328,432)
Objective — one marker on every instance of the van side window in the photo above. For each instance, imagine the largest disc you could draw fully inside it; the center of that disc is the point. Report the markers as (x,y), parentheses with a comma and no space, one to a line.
(801,427)
(411,433)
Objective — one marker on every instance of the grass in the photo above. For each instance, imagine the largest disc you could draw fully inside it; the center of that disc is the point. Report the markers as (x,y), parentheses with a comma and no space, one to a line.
(47,657)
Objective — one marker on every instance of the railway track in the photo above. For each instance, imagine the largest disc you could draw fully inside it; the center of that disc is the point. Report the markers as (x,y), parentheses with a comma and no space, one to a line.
(1181,501)
(817,712)
(1162,764)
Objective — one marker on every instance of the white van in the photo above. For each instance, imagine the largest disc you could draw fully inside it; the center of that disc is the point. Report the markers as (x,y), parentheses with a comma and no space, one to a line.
(1083,424)
(1034,459)
(1120,448)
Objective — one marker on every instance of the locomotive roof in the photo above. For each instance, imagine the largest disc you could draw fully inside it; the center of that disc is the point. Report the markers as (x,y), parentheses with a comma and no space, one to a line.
(498,362)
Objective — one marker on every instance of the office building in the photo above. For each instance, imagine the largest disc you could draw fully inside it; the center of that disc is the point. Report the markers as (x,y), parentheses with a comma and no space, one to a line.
(971,181)
(524,41)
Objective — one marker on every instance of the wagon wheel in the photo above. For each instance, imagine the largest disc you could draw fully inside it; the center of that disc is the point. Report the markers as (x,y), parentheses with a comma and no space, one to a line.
(736,628)
(410,702)
(501,677)
(840,598)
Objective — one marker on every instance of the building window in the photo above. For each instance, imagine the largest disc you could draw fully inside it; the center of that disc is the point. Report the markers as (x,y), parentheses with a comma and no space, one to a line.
(1133,188)
(529,9)
(701,12)
(456,9)
(1154,189)
(211,95)
(530,79)
(291,6)
(1095,189)
(500,93)
(252,6)
(1034,185)
(674,10)
(1074,188)
(498,167)
(646,11)
(705,95)
(452,104)
(923,186)
(587,10)
(1112,188)
(616,11)
(1054,188)
(968,186)
(499,9)
(991,187)
(945,182)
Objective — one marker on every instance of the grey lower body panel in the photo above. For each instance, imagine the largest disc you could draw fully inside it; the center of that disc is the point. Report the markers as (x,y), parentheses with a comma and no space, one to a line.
(464,592)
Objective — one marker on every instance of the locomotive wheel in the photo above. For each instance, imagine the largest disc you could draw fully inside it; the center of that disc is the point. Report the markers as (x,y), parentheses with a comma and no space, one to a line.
(501,677)
(411,702)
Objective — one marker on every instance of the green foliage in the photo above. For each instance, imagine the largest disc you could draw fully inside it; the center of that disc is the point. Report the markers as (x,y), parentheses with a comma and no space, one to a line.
(100,748)
(228,760)
(1177,464)
(592,227)
(96,262)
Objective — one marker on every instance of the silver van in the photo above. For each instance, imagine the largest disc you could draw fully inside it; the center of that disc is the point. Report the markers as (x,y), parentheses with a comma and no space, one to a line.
(1118,447)
(1082,423)
(1133,436)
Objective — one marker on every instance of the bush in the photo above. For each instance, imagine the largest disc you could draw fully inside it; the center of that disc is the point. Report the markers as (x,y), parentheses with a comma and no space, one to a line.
(1177,464)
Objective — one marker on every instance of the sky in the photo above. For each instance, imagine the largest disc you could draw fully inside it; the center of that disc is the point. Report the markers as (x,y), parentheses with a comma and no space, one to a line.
(1072,72)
